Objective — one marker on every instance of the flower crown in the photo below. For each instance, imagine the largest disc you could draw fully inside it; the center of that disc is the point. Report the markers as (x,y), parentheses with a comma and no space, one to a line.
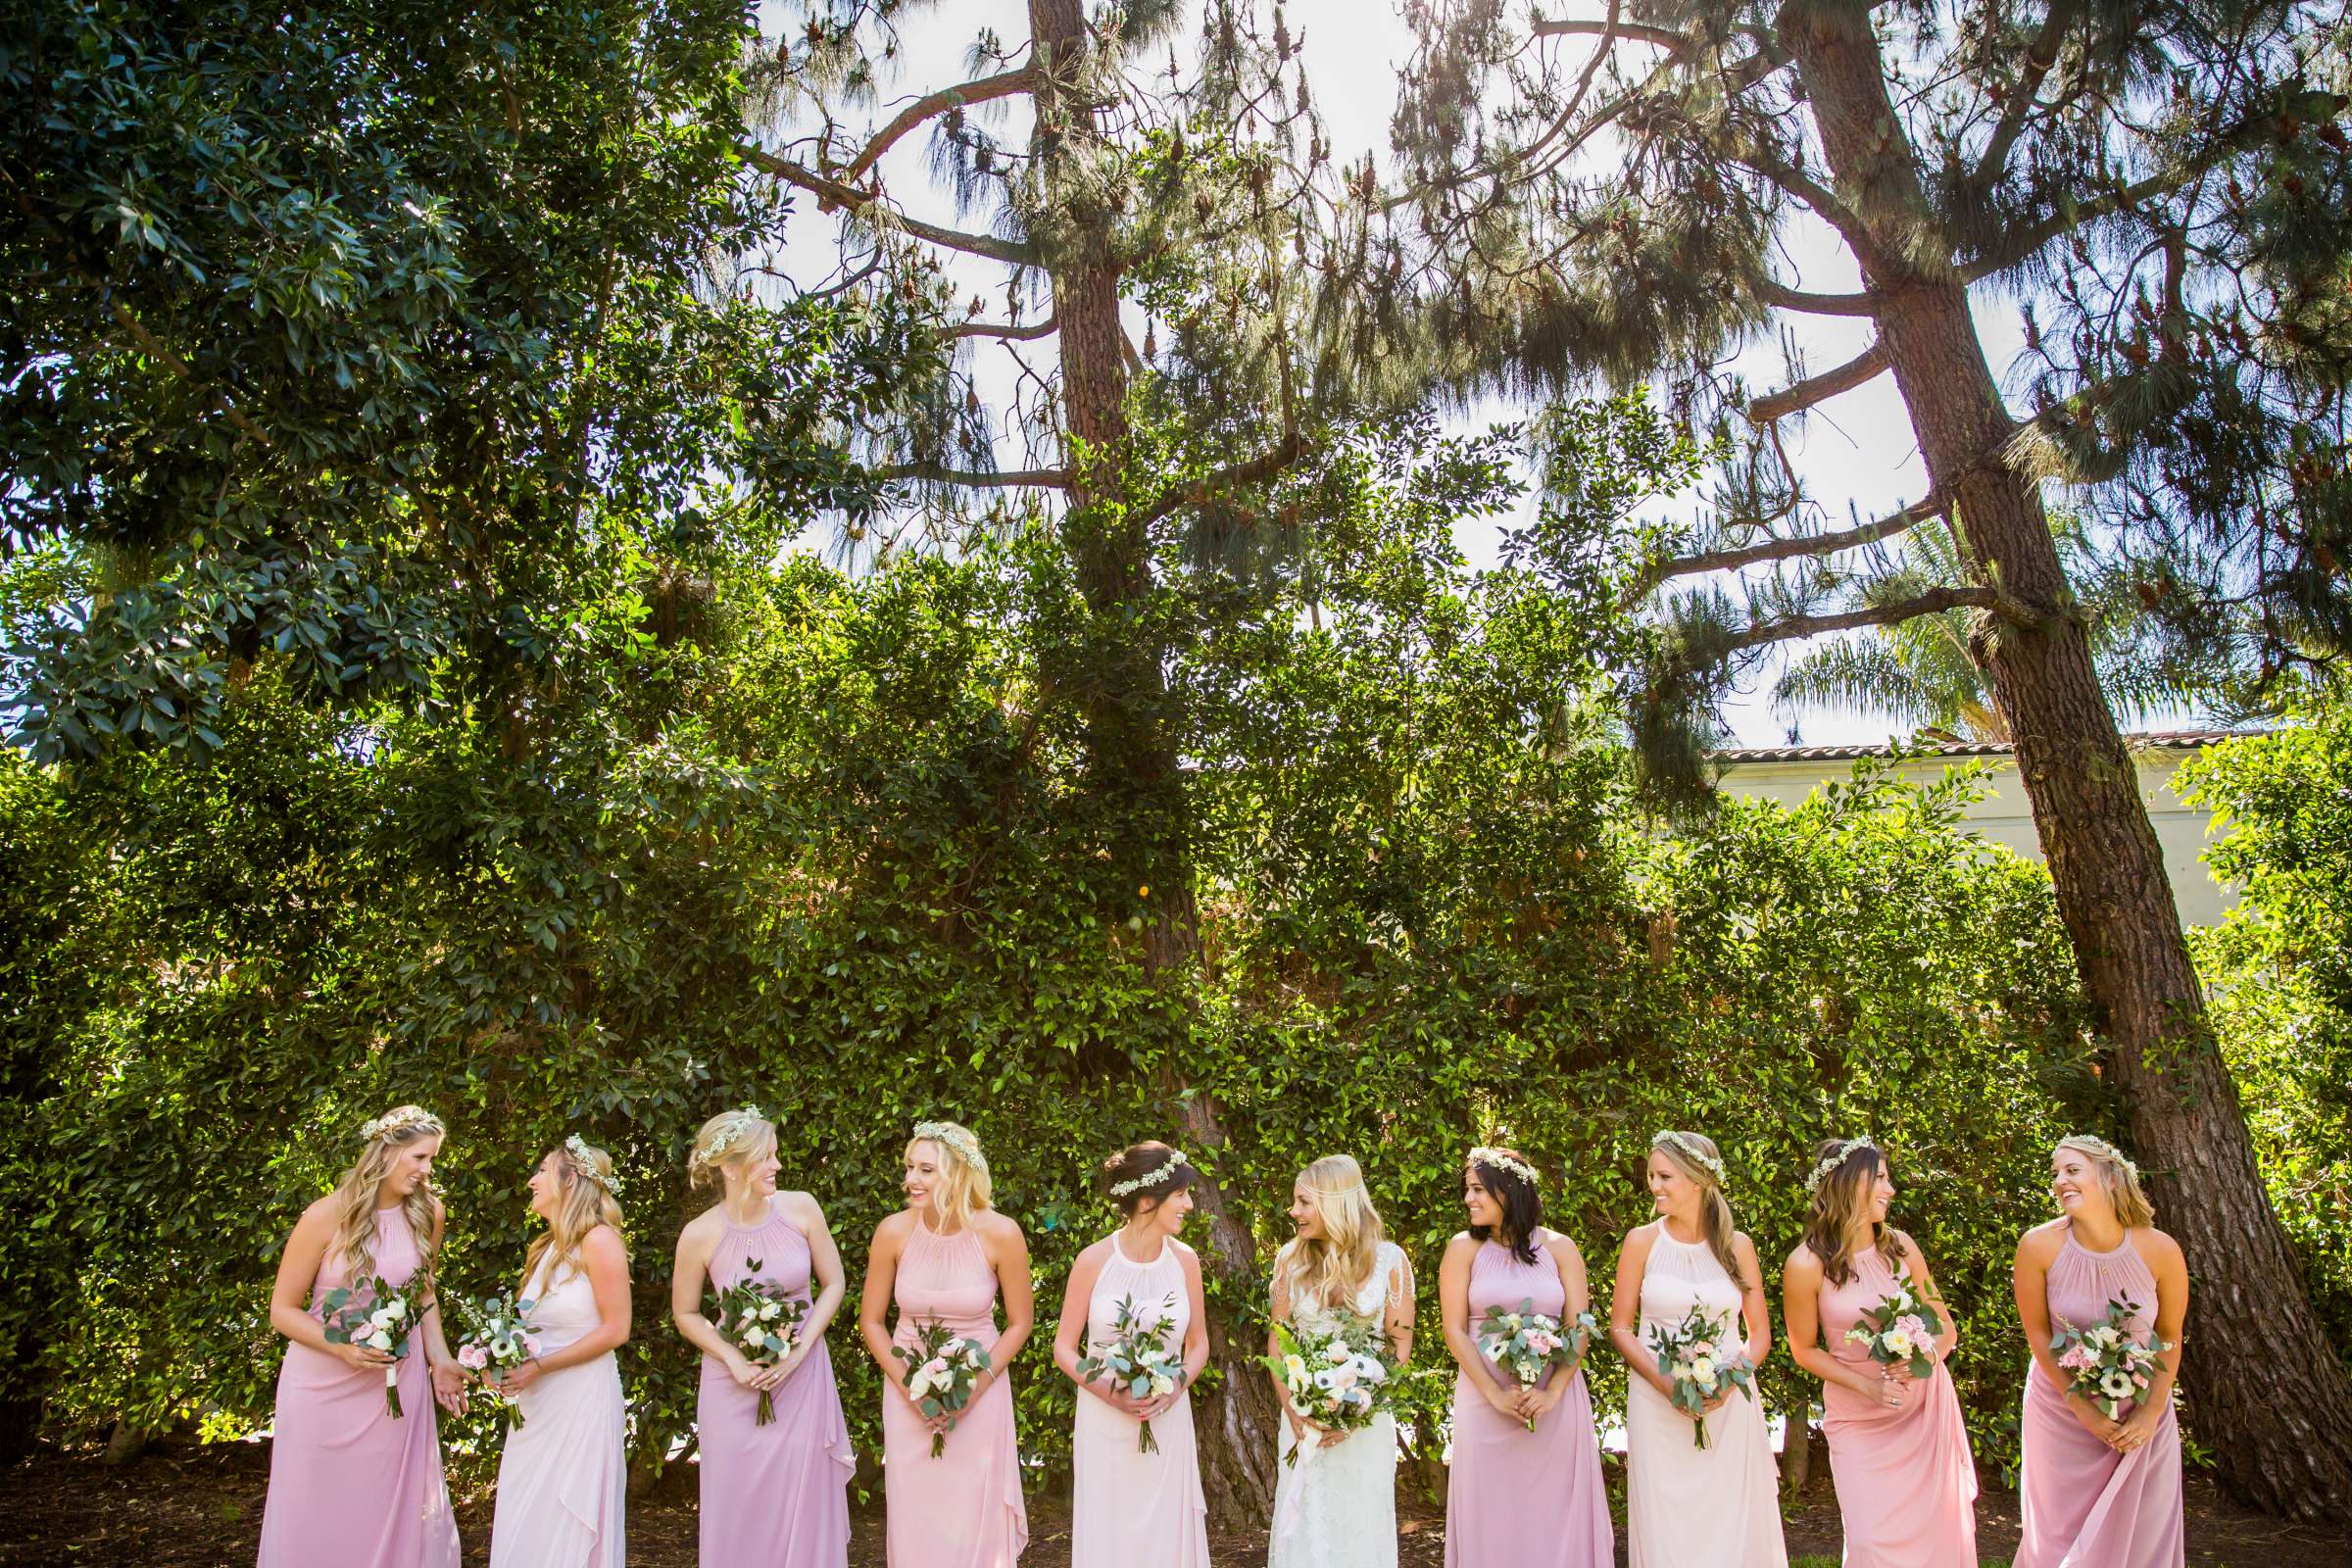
(576,1149)
(393,1120)
(1501,1159)
(747,1120)
(1831,1163)
(1150,1178)
(1690,1152)
(2102,1147)
(950,1136)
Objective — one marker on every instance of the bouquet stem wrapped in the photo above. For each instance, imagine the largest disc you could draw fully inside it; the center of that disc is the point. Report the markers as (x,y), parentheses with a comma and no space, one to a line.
(1528,1344)
(1138,1360)
(1698,1363)
(942,1370)
(378,1316)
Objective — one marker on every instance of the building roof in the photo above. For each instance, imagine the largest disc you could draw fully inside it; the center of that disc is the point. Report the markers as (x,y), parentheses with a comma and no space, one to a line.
(2167,740)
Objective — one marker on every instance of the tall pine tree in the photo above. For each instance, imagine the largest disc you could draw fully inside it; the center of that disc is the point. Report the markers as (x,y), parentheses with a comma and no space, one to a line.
(2166,186)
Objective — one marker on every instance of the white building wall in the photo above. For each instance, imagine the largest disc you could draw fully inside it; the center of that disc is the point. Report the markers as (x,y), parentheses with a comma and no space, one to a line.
(2003,816)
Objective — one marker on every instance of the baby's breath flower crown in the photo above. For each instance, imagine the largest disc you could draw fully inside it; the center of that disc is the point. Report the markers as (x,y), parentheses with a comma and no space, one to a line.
(1845,1152)
(393,1121)
(951,1137)
(575,1151)
(746,1123)
(1689,1151)
(1150,1178)
(1499,1160)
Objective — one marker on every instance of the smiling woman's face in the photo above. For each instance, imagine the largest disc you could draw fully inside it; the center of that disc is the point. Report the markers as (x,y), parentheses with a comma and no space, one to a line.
(921,1175)
(411,1168)
(1485,1208)
(1305,1213)
(547,1185)
(2075,1183)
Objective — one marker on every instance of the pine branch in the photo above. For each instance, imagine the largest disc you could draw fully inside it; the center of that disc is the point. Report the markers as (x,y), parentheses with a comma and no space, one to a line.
(1824,202)
(1802,395)
(1264,466)
(1934,602)
(1782,297)
(833,193)
(2041,56)
(1007,331)
(1821,544)
(934,474)
(1633,31)
(987,89)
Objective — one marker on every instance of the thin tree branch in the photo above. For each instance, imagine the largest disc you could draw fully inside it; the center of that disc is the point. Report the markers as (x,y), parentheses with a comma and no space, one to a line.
(2040,55)
(180,367)
(832,193)
(1782,297)
(1632,31)
(1007,330)
(1934,602)
(986,90)
(1733,559)
(1819,197)
(934,474)
(1264,466)
(1802,395)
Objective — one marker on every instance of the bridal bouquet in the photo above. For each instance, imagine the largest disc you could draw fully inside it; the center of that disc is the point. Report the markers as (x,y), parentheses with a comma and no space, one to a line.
(500,1337)
(1340,1379)
(377,1316)
(763,1321)
(1138,1360)
(2111,1368)
(942,1370)
(1900,1331)
(1695,1358)
(1527,1343)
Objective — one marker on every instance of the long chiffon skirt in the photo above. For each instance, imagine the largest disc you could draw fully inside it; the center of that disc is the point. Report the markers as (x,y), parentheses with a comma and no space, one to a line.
(1516,1498)
(775,1496)
(1906,1486)
(563,1480)
(1686,1506)
(349,1485)
(1130,1509)
(2087,1506)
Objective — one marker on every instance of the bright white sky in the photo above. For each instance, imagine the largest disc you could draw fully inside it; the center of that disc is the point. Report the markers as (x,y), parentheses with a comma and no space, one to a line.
(1854,451)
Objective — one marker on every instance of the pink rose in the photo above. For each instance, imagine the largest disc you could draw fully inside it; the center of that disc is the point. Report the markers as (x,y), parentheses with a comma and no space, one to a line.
(1703,1348)
(472,1356)
(937,1368)
(1917,1328)
(531,1343)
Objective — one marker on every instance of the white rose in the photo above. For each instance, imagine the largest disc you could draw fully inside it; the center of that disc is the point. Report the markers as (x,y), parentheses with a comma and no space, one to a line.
(1164,1384)
(1898,1343)
(396,1310)
(1702,1369)
(1337,1353)
(769,1310)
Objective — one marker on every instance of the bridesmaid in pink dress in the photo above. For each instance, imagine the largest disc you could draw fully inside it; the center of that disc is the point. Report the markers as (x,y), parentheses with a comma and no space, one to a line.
(776,1495)
(350,1483)
(944,1258)
(1517,1499)
(1131,1506)
(1898,1449)
(2096,1493)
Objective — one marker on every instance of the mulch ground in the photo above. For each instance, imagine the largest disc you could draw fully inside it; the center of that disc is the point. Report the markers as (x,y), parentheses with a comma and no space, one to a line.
(181,1505)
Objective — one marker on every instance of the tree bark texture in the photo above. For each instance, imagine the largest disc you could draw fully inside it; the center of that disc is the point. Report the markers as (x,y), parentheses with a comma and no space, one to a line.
(1239,1414)
(2265,1393)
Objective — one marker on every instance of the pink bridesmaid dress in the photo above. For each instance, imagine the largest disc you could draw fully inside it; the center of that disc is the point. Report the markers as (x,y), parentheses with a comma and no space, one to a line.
(1128,1507)
(2085,1505)
(1906,1485)
(962,1509)
(777,1494)
(1517,1499)
(347,1484)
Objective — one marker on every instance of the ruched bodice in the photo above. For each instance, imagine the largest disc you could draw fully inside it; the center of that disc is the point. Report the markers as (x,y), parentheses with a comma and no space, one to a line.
(773,1250)
(945,1279)
(2082,1282)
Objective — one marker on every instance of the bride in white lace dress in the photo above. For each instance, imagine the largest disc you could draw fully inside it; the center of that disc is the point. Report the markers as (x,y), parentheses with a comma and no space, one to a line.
(1335,1507)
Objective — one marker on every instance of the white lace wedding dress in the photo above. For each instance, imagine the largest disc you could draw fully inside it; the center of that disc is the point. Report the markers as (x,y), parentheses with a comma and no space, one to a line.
(1336,1506)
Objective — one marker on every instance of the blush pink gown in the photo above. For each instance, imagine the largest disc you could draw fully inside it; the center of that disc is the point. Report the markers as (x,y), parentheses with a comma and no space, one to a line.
(1906,1485)
(962,1509)
(347,1484)
(1517,1499)
(1128,1508)
(2085,1506)
(776,1494)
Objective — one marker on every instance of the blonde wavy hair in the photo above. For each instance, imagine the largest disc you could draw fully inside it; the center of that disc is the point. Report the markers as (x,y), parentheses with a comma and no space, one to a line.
(1715,1219)
(586,1202)
(729,1138)
(965,1188)
(2117,1175)
(1330,1270)
(354,1197)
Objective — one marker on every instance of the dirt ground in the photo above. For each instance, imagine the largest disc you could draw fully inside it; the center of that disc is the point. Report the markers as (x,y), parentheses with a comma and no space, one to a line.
(186,1506)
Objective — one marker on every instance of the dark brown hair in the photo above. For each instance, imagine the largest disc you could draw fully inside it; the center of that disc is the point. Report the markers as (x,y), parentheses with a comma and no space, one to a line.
(1137,1160)
(1843,1193)
(1522,1206)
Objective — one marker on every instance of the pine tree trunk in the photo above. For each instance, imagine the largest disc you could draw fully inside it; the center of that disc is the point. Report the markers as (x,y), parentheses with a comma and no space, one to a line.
(1240,1419)
(2265,1393)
